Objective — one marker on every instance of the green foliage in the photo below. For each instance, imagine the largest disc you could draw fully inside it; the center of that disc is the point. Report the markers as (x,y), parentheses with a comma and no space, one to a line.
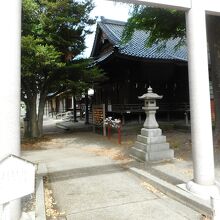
(65,24)
(78,76)
(37,58)
(161,24)
(53,33)
(30,17)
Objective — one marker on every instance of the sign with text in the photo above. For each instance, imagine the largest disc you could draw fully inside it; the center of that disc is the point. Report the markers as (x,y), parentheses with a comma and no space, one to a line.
(17,178)
(98,116)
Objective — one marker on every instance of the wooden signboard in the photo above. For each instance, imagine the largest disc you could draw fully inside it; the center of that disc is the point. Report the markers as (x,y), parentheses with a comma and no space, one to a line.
(98,117)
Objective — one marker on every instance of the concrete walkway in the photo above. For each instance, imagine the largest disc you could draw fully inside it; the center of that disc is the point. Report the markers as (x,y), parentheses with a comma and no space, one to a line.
(90,186)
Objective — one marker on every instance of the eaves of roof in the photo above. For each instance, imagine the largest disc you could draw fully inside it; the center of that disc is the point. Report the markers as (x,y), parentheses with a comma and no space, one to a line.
(148,60)
(104,57)
(108,56)
(136,46)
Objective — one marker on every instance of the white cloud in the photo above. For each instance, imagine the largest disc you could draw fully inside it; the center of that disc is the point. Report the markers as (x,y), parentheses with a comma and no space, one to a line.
(110,10)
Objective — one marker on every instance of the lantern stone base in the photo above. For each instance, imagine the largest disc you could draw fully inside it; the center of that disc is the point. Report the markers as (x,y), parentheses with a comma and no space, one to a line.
(151,146)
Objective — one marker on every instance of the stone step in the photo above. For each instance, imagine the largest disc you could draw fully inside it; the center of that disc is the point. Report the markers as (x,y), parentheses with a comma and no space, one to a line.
(62,126)
(140,145)
(138,153)
(160,155)
(152,140)
(186,198)
(152,147)
(151,132)
(136,158)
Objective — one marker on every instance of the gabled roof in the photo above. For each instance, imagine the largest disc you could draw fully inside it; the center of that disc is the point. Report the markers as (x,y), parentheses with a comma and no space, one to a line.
(136,46)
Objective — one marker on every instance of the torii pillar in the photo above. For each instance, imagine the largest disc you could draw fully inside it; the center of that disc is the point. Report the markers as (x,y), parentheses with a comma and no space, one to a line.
(203,182)
(10,23)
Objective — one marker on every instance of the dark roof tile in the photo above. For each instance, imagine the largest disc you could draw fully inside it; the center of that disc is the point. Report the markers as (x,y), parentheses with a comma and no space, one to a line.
(136,46)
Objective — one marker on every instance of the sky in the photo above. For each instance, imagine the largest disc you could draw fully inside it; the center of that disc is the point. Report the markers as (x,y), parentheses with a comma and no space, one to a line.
(110,10)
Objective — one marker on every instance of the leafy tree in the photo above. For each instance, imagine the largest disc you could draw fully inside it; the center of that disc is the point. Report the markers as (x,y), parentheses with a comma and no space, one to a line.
(162,24)
(53,34)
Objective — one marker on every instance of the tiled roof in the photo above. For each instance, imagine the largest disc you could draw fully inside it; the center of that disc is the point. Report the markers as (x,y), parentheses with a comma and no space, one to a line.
(136,46)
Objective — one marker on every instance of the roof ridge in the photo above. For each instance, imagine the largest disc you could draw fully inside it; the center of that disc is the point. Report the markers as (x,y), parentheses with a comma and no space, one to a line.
(112,37)
(111,21)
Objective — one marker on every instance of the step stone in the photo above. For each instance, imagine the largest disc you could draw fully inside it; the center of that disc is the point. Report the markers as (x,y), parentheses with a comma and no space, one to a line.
(160,155)
(152,140)
(152,147)
(138,153)
(151,132)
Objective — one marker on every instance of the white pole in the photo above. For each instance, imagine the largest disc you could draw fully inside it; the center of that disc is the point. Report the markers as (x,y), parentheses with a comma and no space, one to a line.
(10,23)
(72,106)
(215,204)
(201,127)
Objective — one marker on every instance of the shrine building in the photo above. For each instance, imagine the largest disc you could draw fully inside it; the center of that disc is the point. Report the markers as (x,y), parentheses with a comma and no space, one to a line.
(132,67)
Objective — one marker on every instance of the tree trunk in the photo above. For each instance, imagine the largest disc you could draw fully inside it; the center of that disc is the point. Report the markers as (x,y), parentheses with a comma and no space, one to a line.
(34,121)
(214,47)
(41,112)
(27,120)
(34,132)
(74,109)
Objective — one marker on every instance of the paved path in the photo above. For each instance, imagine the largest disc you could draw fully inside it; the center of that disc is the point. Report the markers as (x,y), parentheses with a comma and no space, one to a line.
(88,186)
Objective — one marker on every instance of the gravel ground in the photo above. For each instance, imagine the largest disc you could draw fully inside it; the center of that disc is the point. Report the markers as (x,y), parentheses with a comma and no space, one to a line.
(180,141)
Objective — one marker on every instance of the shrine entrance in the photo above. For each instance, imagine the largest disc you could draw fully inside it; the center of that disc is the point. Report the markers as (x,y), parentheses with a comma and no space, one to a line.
(204,177)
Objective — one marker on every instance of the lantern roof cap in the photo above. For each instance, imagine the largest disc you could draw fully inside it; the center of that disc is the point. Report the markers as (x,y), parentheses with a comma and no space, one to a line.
(150,95)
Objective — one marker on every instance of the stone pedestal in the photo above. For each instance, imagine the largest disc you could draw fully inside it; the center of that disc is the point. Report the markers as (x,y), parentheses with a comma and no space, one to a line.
(151,145)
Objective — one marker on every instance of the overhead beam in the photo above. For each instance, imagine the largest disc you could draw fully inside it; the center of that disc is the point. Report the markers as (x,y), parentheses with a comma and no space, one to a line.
(182,5)
(212,7)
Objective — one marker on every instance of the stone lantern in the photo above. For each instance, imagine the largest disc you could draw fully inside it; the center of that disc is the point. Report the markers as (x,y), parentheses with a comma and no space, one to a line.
(151,145)
(150,108)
